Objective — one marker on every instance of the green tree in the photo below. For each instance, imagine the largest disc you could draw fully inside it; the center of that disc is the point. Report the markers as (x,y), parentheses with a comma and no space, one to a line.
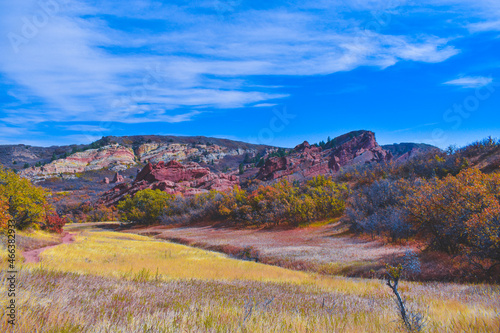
(146,206)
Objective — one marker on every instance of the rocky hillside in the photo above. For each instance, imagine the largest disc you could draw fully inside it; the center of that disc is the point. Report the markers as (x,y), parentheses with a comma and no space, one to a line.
(406,150)
(174,178)
(208,163)
(306,161)
(121,153)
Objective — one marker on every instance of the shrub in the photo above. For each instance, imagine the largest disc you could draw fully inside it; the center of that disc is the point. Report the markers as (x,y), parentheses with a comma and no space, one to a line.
(281,203)
(461,214)
(145,207)
(54,223)
(378,209)
(25,203)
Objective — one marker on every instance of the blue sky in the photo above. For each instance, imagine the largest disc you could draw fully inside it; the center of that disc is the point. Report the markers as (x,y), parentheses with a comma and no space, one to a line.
(271,72)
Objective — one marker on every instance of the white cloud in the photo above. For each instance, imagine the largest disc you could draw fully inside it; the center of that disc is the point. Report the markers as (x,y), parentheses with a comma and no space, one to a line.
(86,128)
(470,82)
(264,105)
(84,69)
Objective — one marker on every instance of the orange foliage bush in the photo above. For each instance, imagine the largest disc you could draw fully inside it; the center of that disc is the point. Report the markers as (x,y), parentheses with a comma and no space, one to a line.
(4,214)
(461,214)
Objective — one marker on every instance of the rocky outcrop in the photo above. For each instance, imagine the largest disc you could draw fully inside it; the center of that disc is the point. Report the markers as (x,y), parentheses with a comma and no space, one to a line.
(407,150)
(358,149)
(306,161)
(120,156)
(117,178)
(113,157)
(166,152)
(174,178)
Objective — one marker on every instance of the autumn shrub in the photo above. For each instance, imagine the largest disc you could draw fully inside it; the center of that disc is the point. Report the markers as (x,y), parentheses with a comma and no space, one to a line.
(101,213)
(22,201)
(284,203)
(487,145)
(459,215)
(280,203)
(378,209)
(54,223)
(4,214)
(145,207)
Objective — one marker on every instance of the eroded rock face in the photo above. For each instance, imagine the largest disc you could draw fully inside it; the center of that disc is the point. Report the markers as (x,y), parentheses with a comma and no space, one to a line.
(166,152)
(113,157)
(174,178)
(118,178)
(306,161)
(359,149)
(118,157)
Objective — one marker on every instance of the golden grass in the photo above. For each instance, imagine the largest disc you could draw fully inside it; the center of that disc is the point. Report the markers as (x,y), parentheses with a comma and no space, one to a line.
(115,282)
(126,255)
(320,223)
(39,235)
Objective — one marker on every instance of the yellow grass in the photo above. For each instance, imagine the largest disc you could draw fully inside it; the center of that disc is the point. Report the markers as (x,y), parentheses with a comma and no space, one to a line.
(125,255)
(217,301)
(39,235)
(320,223)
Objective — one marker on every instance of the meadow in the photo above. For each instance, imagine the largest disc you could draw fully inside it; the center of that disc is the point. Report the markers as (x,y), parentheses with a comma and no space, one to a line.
(115,282)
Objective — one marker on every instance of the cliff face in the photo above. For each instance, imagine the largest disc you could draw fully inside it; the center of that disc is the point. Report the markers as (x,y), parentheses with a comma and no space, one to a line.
(306,161)
(156,152)
(174,178)
(120,156)
(113,157)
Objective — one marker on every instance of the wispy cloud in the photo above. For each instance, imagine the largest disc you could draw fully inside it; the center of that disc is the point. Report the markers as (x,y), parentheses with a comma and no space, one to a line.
(470,82)
(86,128)
(81,63)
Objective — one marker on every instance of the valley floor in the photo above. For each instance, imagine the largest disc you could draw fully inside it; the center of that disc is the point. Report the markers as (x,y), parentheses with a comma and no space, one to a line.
(115,282)
(325,248)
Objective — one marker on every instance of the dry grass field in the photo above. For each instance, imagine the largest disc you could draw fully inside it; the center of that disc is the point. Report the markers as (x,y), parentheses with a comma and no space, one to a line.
(323,247)
(115,282)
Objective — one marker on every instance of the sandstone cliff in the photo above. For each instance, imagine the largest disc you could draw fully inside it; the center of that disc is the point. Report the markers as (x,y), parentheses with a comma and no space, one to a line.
(306,161)
(113,157)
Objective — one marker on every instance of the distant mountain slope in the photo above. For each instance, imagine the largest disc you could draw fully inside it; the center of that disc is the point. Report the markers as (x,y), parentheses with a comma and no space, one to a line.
(407,149)
(16,156)
(120,153)
(90,167)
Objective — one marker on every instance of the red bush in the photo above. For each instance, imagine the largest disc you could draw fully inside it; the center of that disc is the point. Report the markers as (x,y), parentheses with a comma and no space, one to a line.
(54,223)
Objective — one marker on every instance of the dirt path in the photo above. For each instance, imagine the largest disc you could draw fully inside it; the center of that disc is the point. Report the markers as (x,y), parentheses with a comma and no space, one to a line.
(33,256)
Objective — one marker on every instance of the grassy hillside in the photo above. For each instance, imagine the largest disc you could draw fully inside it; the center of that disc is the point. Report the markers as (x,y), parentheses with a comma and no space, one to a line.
(115,282)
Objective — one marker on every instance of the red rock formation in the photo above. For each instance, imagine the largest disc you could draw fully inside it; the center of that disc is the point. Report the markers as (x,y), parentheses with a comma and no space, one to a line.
(174,178)
(306,161)
(117,178)
(105,180)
